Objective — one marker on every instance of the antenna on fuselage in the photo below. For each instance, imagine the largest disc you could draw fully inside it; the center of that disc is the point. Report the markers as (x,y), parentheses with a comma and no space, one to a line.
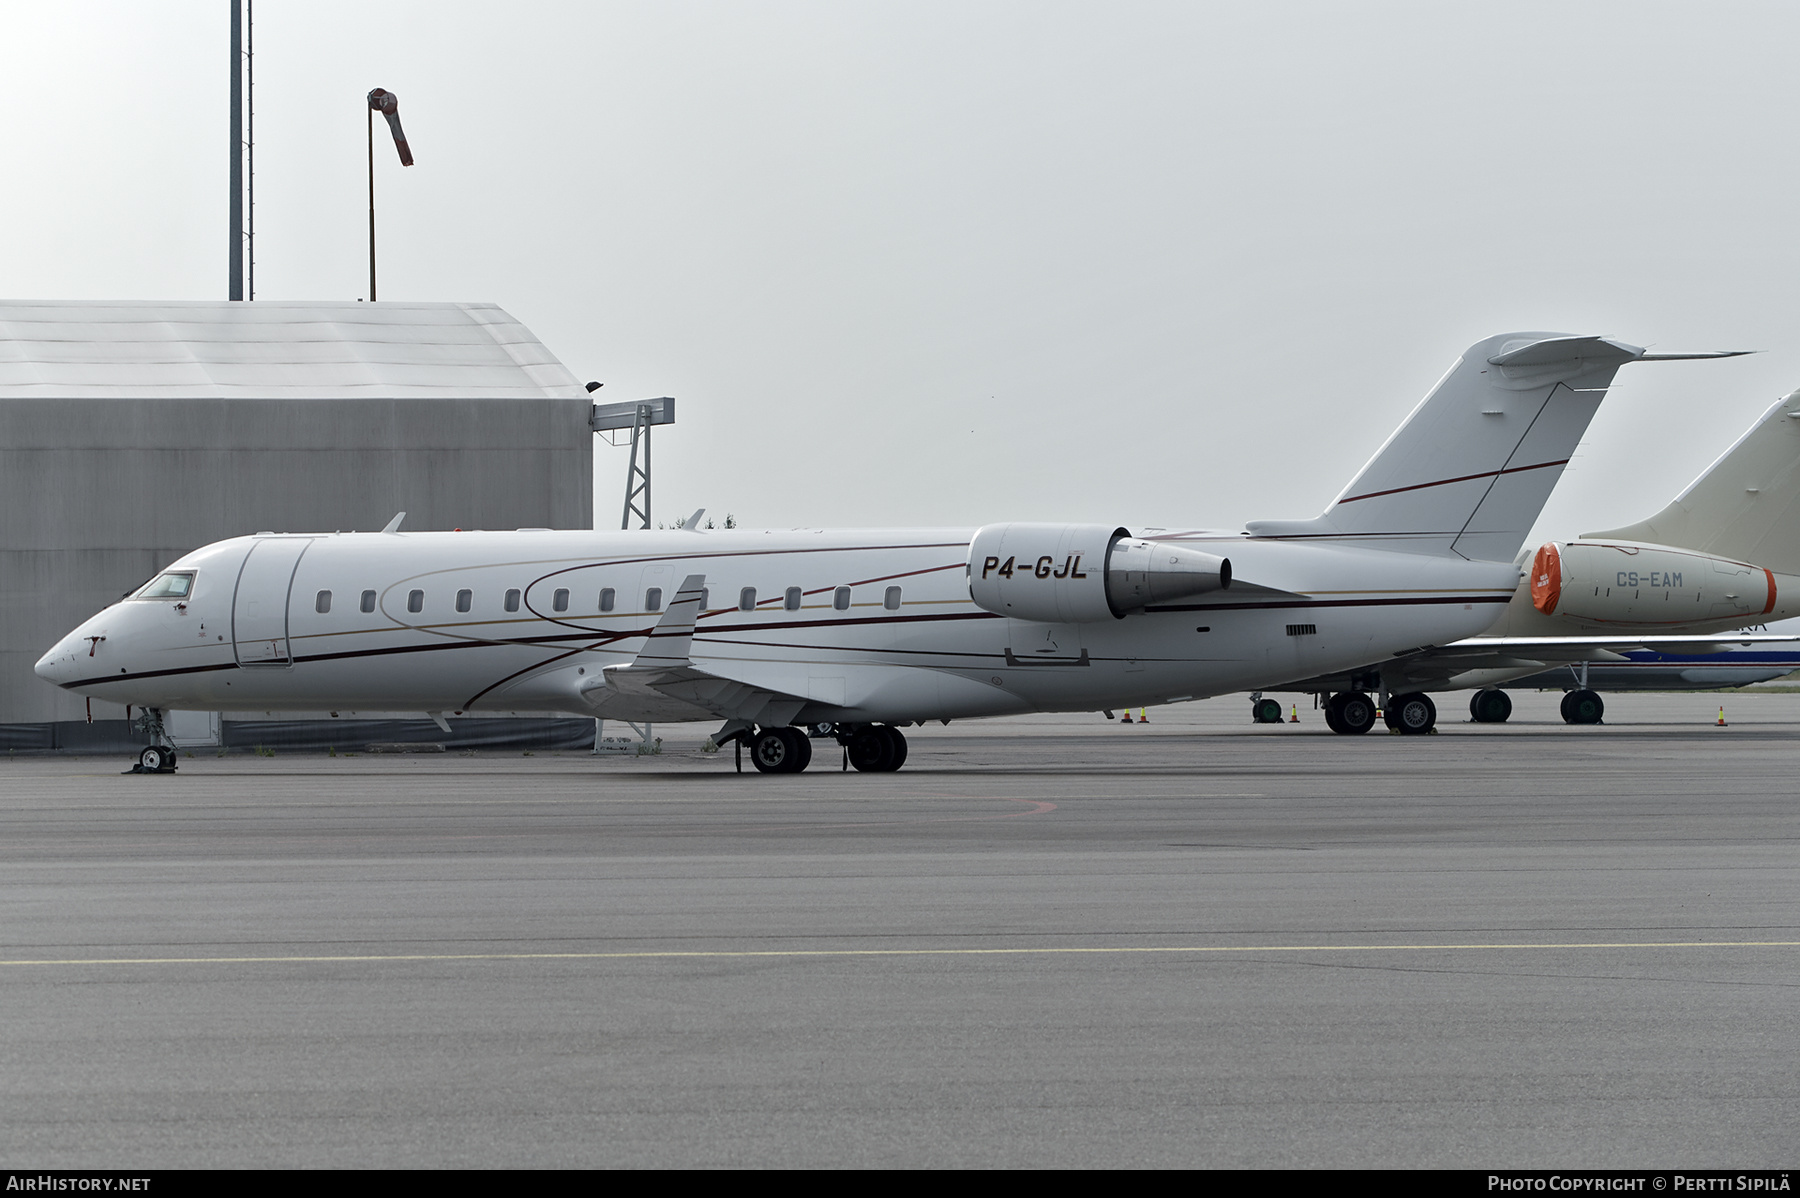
(394,524)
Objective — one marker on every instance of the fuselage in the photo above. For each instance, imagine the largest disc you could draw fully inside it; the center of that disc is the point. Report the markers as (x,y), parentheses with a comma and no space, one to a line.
(862,625)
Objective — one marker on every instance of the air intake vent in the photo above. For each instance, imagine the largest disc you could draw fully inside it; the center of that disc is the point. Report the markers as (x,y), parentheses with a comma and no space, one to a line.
(1303,629)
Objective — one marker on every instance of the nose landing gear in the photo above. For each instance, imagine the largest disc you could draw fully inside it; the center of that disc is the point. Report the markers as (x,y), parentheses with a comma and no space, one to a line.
(159,758)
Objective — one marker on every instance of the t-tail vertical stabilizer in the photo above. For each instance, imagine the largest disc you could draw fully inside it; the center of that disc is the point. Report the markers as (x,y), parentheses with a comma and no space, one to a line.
(1469,471)
(1745,506)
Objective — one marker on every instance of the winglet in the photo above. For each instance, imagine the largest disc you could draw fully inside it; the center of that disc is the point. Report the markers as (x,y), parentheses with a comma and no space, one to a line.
(670,642)
(394,524)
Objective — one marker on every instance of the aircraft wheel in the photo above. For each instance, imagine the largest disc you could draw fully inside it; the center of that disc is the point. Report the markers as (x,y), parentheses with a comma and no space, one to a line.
(1331,715)
(899,743)
(1265,711)
(871,750)
(780,751)
(1413,714)
(1355,712)
(157,760)
(1582,707)
(1490,706)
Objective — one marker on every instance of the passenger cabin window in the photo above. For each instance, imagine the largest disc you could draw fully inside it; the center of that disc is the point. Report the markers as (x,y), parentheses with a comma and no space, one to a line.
(747,599)
(607,599)
(368,600)
(560,601)
(415,601)
(653,599)
(168,586)
(792,602)
(891,600)
(465,600)
(512,599)
(322,604)
(840,599)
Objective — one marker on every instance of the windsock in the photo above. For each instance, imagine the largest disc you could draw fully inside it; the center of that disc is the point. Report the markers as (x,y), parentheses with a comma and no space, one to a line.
(388,105)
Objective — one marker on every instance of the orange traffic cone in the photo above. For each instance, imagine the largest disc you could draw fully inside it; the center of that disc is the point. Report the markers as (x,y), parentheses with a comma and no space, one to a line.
(1721,723)
(1295,717)
(1143,715)
(1126,718)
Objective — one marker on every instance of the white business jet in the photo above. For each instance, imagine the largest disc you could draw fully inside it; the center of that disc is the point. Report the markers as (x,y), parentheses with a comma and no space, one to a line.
(1724,555)
(788,635)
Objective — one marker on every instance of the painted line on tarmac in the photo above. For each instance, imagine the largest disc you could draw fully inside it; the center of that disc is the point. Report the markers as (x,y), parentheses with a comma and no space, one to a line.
(795,953)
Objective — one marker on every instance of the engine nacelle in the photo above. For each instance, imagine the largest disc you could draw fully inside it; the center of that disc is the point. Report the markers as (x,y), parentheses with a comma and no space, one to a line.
(1078,573)
(1618,582)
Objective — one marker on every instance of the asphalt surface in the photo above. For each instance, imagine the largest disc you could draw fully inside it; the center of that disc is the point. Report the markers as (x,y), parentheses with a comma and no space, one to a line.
(1045,943)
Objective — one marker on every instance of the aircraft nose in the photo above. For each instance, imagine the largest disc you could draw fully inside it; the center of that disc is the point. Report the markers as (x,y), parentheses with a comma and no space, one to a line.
(62,664)
(53,666)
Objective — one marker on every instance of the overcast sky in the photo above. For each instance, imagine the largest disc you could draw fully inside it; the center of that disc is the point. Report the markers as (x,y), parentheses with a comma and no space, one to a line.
(1144,263)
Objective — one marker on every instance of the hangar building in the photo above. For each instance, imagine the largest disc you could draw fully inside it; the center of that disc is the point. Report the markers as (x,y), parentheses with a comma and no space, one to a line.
(131,433)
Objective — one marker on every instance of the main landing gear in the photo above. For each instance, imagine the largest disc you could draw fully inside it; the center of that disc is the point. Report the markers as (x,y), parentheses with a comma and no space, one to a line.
(1490,706)
(1350,713)
(871,748)
(1582,707)
(1411,715)
(159,758)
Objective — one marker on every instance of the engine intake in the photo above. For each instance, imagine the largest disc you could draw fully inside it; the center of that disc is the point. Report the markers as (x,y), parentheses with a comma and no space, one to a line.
(1078,573)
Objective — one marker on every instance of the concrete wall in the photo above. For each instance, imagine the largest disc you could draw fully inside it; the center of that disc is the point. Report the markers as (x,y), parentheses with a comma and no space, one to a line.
(97,495)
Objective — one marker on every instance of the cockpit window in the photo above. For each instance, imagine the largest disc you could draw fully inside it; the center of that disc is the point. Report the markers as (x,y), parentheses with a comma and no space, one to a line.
(172,585)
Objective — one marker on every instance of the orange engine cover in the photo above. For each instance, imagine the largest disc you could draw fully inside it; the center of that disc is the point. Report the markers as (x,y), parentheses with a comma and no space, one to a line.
(1546,579)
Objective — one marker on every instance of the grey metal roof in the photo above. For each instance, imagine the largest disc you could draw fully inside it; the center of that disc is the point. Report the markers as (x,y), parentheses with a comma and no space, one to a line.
(272,349)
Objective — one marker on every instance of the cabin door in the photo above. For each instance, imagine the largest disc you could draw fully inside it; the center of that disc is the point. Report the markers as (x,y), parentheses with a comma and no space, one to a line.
(259,609)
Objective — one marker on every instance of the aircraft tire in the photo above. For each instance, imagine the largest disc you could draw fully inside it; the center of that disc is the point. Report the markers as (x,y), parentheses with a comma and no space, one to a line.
(899,742)
(1266,711)
(1331,716)
(1490,706)
(1355,713)
(1582,707)
(156,760)
(1412,714)
(871,750)
(780,751)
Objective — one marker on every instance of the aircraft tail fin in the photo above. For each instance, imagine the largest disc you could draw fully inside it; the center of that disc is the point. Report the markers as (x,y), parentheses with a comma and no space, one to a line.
(1745,506)
(1468,472)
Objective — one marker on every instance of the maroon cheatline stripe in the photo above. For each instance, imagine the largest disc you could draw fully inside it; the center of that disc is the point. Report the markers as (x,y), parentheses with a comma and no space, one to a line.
(1313,604)
(1444,482)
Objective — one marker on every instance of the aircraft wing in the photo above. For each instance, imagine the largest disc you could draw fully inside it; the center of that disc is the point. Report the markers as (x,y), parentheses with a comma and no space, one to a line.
(1483,660)
(663,683)
(1572,648)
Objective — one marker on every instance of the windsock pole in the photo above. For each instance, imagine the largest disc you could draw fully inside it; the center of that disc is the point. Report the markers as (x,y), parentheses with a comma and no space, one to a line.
(388,105)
